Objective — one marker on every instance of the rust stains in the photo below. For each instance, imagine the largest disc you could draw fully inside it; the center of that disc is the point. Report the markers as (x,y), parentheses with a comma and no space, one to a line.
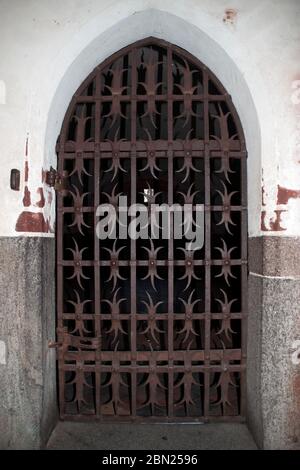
(263,191)
(26,146)
(263,195)
(275,225)
(285,194)
(26,197)
(283,197)
(230,16)
(44,174)
(32,222)
(26,171)
(41,202)
(49,198)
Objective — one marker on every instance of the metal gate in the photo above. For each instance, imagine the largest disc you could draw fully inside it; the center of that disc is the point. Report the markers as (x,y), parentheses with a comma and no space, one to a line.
(147,329)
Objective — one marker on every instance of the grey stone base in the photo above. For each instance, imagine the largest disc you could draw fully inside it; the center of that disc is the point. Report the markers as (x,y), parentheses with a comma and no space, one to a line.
(28,409)
(28,404)
(273,393)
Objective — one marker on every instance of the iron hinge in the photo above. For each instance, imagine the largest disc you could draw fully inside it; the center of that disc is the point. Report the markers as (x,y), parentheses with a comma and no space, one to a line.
(56,180)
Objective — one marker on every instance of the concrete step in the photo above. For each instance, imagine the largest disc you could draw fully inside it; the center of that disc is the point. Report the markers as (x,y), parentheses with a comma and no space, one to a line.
(96,436)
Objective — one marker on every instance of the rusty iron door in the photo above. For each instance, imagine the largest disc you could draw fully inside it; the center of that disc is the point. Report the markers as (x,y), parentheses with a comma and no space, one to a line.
(146,329)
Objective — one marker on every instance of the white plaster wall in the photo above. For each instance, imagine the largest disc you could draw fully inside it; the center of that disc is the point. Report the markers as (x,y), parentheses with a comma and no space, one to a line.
(48,47)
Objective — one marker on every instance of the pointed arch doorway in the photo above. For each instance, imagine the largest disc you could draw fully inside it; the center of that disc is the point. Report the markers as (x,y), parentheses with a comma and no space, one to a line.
(147,329)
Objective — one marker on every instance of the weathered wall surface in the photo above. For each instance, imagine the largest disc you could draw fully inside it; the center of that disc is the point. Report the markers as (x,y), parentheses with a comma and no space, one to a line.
(28,408)
(47,49)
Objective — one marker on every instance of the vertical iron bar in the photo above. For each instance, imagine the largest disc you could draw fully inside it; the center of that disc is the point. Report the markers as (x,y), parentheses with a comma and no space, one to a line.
(207,247)
(170,240)
(60,273)
(97,280)
(133,269)
(244,281)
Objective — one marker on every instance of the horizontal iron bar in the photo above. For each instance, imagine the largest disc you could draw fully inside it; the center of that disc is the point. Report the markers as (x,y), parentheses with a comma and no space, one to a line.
(198,355)
(144,98)
(151,419)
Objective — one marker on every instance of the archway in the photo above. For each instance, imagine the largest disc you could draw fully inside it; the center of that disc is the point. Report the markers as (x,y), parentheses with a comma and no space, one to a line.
(152,122)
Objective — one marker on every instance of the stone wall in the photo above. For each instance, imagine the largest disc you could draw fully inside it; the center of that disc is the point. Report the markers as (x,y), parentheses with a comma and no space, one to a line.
(28,407)
(273,328)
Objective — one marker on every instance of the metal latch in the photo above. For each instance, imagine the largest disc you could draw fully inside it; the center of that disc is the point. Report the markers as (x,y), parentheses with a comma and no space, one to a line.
(56,180)
(54,345)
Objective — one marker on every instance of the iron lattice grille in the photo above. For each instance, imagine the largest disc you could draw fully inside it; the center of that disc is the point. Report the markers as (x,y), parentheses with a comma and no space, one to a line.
(148,330)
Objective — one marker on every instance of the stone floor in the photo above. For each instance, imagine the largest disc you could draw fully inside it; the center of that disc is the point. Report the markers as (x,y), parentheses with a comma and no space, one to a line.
(95,436)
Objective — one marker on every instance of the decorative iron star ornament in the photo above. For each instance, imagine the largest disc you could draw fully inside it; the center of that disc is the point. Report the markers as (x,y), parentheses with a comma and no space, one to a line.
(79,317)
(224,142)
(116,89)
(188,323)
(154,385)
(188,165)
(80,383)
(150,86)
(226,203)
(189,196)
(115,150)
(151,319)
(152,267)
(114,264)
(187,380)
(226,321)
(224,382)
(116,382)
(187,90)
(116,323)
(151,156)
(78,213)
(79,168)
(226,267)
(225,166)
(113,200)
(189,268)
(77,258)
(80,126)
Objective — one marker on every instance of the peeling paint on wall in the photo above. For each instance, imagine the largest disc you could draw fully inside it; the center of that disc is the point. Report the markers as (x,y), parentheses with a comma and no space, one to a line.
(270,215)
(271,219)
(263,196)
(273,223)
(283,197)
(32,222)
(41,216)
(41,202)
(26,197)
(285,194)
